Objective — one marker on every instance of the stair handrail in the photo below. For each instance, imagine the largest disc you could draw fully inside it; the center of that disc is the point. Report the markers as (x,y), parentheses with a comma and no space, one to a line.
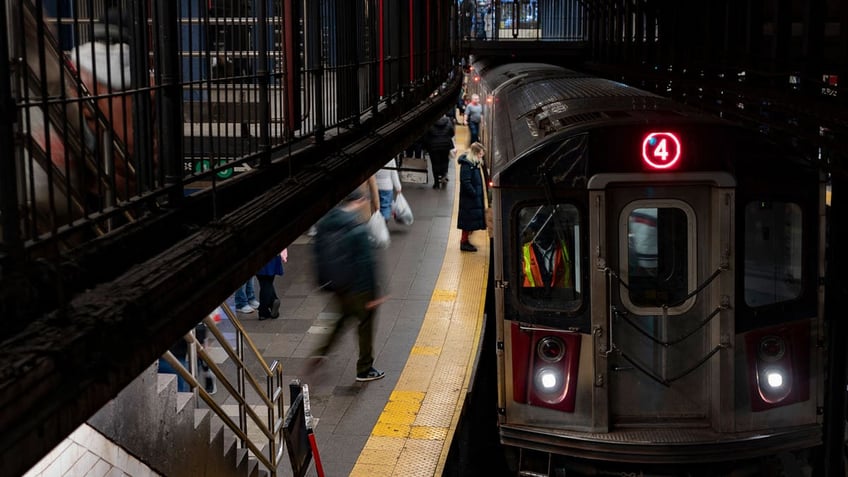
(272,396)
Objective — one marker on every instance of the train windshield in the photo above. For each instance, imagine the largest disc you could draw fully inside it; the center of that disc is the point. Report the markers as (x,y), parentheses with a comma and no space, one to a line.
(773,252)
(549,240)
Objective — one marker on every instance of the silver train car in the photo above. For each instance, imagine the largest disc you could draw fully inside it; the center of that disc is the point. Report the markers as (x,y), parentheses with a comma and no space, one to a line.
(656,283)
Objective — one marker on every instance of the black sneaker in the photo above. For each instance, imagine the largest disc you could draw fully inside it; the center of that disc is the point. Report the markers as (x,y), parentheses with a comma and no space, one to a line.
(467,247)
(372,374)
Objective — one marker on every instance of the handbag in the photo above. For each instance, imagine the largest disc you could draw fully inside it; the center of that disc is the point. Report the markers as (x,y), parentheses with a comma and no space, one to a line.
(378,232)
(401,210)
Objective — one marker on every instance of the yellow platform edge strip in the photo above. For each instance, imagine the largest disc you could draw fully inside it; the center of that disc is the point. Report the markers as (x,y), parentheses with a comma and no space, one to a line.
(414,432)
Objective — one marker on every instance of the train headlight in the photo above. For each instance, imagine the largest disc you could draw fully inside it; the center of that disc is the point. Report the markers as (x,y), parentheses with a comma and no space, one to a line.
(544,367)
(775,384)
(549,380)
(778,363)
(774,378)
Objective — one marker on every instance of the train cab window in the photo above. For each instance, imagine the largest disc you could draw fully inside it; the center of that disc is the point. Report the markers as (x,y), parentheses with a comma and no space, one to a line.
(660,245)
(548,237)
(773,252)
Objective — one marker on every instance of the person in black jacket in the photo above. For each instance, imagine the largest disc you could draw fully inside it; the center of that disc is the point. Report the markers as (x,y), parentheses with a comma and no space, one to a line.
(467,11)
(439,142)
(472,211)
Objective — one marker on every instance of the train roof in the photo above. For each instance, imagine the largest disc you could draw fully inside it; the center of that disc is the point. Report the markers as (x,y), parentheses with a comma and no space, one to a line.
(533,101)
(532,106)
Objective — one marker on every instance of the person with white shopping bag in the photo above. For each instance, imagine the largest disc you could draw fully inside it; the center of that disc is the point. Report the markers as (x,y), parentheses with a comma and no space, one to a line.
(388,186)
(401,210)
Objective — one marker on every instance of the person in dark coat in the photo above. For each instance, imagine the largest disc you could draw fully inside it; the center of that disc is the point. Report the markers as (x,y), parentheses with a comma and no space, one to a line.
(472,210)
(269,304)
(439,142)
(359,298)
(467,10)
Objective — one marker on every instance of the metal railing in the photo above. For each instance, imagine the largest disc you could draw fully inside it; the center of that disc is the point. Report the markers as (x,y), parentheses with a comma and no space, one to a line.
(114,119)
(269,394)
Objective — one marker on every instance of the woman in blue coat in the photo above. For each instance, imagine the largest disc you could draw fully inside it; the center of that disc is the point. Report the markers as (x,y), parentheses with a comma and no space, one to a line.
(472,208)
(269,304)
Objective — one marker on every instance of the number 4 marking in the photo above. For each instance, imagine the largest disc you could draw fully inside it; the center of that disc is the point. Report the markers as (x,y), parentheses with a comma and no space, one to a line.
(661,150)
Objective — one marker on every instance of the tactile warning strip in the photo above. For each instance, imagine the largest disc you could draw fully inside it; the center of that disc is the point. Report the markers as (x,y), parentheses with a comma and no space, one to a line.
(413,434)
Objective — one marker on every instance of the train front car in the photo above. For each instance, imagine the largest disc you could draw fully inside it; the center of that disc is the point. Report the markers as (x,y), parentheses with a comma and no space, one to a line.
(656,282)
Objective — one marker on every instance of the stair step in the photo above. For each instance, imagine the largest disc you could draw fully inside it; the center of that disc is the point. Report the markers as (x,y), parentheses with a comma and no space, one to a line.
(200,416)
(183,399)
(165,380)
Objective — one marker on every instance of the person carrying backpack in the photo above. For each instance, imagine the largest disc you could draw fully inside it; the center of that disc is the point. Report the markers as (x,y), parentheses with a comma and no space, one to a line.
(345,265)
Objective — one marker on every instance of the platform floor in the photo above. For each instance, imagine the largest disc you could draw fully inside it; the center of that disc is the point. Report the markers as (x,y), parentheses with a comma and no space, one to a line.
(348,413)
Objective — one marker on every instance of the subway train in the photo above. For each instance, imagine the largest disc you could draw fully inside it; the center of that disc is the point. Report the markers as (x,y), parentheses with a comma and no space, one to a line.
(656,279)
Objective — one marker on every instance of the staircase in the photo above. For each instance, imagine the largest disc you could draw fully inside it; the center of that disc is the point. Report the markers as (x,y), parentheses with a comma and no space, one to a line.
(152,429)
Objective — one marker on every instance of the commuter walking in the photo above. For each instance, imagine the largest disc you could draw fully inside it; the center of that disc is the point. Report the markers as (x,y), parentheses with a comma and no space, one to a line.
(346,265)
(439,142)
(473,117)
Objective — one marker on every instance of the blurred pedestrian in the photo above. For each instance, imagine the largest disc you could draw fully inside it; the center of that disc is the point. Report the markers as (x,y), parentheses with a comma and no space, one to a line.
(439,142)
(351,271)
(472,209)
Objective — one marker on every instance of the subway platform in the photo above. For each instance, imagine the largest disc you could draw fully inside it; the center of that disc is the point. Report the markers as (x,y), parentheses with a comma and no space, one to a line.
(426,335)
(427,341)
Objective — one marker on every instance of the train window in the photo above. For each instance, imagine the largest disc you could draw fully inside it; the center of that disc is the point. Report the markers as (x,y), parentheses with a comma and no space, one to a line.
(549,238)
(773,251)
(659,248)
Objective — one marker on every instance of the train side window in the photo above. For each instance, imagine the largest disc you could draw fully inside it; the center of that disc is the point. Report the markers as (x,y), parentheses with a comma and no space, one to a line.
(773,252)
(548,237)
(659,247)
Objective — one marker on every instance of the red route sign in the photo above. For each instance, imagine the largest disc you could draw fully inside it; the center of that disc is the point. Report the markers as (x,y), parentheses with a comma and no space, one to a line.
(661,150)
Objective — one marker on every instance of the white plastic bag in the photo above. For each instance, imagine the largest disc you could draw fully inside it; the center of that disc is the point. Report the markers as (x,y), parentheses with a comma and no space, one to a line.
(378,232)
(401,210)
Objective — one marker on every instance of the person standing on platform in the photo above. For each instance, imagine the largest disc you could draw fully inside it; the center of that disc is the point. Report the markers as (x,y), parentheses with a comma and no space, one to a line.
(439,142)
(473,117)
(245,298)
(467,12)
(461,103)
(472,210)
(269,304)
(388,186)
(354,279)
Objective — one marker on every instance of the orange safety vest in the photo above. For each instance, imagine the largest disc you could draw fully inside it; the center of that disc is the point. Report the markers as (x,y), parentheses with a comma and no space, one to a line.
(561,274)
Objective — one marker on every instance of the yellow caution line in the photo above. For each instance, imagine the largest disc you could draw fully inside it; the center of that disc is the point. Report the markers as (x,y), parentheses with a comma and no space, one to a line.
(413,434)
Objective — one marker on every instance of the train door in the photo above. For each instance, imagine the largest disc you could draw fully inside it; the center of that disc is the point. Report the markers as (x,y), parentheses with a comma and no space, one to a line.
(661,310)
